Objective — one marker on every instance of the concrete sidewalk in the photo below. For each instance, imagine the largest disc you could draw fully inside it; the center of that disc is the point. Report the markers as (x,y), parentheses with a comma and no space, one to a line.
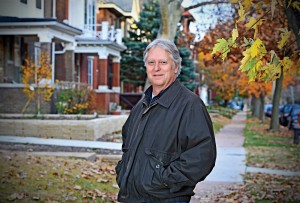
(230,163)
(61,142)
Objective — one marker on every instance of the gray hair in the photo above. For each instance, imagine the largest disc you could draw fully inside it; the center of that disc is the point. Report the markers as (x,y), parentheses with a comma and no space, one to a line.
(169,47)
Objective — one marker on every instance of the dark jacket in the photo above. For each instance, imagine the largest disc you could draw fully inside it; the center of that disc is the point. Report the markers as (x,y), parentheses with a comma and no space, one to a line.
(168,147)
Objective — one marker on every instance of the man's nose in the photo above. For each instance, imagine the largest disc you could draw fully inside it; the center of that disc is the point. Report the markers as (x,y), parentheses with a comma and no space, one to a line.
(157,66)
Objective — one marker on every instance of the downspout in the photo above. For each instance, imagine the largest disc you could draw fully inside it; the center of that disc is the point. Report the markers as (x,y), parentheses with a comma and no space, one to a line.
(53,8)
(53,62)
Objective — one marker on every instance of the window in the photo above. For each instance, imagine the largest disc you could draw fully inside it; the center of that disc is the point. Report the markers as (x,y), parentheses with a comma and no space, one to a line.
(37,54)
(90,71)
(23,1)
(110,72)
(90,15)
(38,4)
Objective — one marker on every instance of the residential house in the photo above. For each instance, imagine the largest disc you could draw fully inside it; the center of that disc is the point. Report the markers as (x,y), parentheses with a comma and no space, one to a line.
(83,41)
(186,20)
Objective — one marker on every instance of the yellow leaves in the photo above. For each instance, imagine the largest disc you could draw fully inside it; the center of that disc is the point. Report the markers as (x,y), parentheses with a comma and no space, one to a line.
(271,71)
(221,45)
(252,59)
(241,13)
(35,78)
(247,4)
(257,49)
(254,23)
(285,35)
(235,34)
(287,63)
(245,60)
(296,5)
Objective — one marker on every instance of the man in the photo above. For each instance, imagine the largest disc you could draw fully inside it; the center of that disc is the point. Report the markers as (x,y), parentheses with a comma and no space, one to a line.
(168,139)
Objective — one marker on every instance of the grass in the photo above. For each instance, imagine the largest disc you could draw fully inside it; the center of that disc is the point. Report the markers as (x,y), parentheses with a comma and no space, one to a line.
(268,149)
(223,111)
(219,121)
(26,178)
(273,150)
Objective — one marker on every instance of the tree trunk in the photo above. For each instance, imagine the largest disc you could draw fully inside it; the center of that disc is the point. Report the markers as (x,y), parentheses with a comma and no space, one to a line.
(294,22)
(256,107)
(170,16)
(261,107)
(274,125)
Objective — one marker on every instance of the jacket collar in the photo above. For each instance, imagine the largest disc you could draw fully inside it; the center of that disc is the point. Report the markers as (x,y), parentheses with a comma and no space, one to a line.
(168,96)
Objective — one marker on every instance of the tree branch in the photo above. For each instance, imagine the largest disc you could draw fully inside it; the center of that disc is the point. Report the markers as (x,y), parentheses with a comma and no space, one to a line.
(216,2)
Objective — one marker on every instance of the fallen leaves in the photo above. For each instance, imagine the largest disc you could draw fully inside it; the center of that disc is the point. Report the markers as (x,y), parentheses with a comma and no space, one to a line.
(258,188)
(26,178)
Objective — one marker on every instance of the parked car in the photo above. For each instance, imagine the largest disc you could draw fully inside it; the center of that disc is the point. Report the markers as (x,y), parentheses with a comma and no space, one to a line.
(293,116)
(268,110)
(284,114)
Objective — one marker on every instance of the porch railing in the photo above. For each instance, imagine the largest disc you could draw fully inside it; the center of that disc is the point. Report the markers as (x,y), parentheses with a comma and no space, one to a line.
(103,32)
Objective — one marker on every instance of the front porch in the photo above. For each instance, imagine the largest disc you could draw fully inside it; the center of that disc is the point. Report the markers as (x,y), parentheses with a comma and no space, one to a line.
(90,56)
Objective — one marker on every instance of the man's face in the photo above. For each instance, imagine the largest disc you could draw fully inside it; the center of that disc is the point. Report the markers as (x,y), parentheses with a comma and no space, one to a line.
(161,69)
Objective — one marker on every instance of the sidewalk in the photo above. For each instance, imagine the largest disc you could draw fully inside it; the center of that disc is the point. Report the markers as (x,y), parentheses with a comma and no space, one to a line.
(230,163)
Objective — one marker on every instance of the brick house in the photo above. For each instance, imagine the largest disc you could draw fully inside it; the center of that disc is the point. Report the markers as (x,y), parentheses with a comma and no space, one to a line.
(82,38)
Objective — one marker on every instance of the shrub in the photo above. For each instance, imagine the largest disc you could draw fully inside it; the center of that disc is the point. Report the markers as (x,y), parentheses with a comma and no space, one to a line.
(72,98)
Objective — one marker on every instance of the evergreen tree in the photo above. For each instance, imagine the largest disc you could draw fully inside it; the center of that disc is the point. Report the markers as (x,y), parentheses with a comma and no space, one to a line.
(187,75)
(142,32)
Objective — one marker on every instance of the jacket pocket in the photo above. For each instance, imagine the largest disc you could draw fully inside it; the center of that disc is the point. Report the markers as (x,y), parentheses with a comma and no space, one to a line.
(151,182)
(163,157)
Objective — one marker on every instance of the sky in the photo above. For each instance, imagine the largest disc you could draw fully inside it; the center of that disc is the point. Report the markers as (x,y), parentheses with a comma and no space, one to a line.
(206,17)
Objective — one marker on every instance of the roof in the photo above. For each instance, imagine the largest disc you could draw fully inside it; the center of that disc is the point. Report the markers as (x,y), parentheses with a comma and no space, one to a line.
(37,21)
(11,25)
(125,5)
(119,7)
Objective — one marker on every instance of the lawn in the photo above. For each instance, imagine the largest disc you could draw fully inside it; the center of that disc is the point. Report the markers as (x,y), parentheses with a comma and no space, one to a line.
(268,149)
(273,150)
(26,178)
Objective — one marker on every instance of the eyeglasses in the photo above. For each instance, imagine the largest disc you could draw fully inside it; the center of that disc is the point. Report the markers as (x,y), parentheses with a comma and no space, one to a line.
(160,63)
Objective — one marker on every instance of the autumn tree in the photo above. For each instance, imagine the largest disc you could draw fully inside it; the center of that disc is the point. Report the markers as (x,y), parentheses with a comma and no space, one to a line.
(36,76)
(257,90)
(289,7)
(258,61)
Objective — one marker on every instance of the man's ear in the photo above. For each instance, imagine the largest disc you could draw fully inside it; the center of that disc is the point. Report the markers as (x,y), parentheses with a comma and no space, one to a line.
(176,68)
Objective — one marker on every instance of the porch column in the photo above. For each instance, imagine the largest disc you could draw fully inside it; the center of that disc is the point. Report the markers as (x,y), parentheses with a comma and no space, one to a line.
(65,62)
(116,74)
(46,46)
(101,76)
(100,84)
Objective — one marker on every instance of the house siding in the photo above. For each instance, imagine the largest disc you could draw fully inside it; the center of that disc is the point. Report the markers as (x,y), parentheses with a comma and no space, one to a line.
(62,12)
